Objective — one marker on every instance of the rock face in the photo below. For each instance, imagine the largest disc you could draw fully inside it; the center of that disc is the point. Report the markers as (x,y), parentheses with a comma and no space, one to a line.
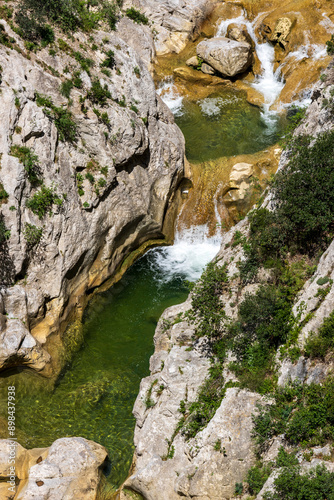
(200,468)
(229,57)
(175,23)
(111,184)
(70,468)
(196,469)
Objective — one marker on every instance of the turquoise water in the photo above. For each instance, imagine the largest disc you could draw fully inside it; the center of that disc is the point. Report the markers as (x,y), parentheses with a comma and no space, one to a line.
(95,395)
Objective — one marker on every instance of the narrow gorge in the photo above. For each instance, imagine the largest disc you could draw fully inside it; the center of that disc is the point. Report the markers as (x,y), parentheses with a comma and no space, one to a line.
(166,208)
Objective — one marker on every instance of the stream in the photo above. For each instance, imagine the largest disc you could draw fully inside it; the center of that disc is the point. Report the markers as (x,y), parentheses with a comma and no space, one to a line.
(95,394)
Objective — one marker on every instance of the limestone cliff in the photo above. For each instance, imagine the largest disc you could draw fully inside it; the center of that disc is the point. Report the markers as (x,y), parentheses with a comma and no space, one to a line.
(85,181)
(166,464)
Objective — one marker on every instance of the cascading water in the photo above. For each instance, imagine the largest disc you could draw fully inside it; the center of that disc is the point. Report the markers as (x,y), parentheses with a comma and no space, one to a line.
(170,96)
(186,259)
(268,83)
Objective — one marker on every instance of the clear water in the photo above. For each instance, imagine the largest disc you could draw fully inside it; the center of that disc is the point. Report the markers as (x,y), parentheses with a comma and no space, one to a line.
(224,124)
(95,394)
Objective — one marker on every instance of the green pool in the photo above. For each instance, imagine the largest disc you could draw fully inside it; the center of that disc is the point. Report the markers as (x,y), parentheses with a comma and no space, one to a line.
(225,124)
(96,392)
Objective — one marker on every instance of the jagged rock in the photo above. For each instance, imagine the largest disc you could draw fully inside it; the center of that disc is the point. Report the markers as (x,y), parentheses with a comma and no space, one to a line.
(239,33)
(207,69)
(139,38)
(70,468)
(282,31)
(226,56)
(196,469)
(174,23)
(305,467)
(135,158)
(192,61)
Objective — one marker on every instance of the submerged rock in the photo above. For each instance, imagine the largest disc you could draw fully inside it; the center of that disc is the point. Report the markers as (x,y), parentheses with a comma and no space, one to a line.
(226,56)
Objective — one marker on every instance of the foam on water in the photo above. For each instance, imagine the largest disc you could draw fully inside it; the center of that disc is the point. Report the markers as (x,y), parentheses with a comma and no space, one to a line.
(212,106)
(170,96)
(310,51)
(187,258)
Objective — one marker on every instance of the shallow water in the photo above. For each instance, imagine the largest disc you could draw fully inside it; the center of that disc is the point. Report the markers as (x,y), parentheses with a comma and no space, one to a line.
(95,394)
(224,124)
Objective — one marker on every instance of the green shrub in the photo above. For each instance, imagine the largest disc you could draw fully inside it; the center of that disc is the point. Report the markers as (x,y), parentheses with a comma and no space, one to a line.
(3,193)
(65,88)
(285,459)
(304,413)
(70,16)
(110,13)
(323,281)
(136,71)
(102,182)
(90,177)
(30,161)
(105,118)
(210,395)
(32,234)
(330,46)
(257,476)
(67,128)
(318,345)
(4,232)
(136,16)
(109,61)
(98,94)
(85,62)
(303,200)
(206,308)
(238,489)
(293,484)
(4,38)
(41,202)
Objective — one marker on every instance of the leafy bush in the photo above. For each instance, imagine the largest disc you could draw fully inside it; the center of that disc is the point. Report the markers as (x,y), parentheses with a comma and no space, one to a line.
(330,46)
(303,201)
(257,476)
(110,14)
(109,61)
(318,345)
(207,310)
(85,62)
(3,193)
(98,94)
(209,398)
(62,117)
(41,202)
(70,16)
(65,88)
(293,484)
(4,232)
(304,413)
(32,234)
(30,161)
(136,16)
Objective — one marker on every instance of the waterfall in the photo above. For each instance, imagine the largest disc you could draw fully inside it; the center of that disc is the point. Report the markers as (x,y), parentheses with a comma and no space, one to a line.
(170,96)
(268,83)
(186,259)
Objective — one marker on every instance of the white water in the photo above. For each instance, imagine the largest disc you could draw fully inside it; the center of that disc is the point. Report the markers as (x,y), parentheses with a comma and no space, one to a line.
(268,83)
(186,259)
(170,96)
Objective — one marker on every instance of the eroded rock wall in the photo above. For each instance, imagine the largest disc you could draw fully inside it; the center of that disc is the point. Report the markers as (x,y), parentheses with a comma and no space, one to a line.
(114,183)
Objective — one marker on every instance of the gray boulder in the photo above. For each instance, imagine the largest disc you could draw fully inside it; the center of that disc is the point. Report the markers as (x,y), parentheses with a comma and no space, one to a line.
(229,57)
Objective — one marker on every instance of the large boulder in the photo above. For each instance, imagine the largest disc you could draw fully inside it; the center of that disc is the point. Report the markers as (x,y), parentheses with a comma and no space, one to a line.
(229,57)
